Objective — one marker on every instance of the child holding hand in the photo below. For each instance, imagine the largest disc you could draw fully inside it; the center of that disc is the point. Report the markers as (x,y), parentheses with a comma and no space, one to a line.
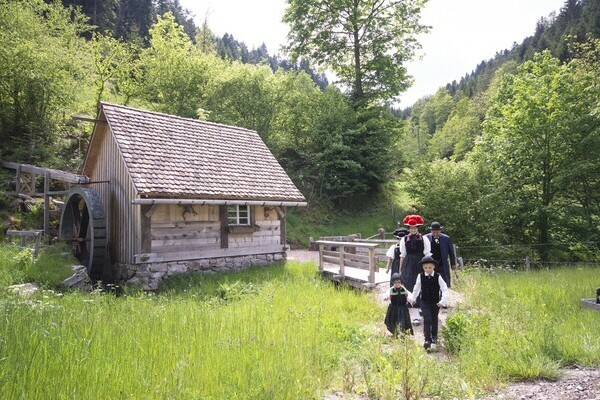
(397,317)
(434,294)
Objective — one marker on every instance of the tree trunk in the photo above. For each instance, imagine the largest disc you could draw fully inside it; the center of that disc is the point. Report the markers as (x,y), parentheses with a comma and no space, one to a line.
(357,92)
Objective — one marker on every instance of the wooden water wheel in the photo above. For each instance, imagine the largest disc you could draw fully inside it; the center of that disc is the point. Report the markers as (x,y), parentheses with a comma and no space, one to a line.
(83,226)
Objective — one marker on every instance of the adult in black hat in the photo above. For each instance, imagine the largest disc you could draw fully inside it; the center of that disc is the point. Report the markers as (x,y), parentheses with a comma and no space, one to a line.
(434,294)
(393,253)
(442,249)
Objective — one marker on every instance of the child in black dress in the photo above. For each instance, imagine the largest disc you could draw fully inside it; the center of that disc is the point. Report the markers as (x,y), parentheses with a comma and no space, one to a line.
(397,317)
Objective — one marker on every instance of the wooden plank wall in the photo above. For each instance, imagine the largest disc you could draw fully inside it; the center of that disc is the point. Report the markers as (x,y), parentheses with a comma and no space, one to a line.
(178,228)
(105,163)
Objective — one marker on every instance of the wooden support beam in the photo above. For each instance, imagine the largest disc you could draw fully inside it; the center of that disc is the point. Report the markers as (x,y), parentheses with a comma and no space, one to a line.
(224,226)
(282,222)
(146,229)
(342,265)
(372,265)
(18,181)
(54,173)
(47,203)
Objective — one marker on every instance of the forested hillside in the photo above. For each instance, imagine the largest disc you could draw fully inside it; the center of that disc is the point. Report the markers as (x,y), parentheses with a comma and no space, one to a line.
(505,157)
(512,148)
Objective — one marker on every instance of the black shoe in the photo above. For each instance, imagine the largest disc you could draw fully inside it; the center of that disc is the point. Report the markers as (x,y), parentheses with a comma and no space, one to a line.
(427,345)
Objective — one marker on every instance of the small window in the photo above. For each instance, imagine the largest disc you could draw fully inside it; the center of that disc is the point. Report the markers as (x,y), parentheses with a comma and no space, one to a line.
(238,215)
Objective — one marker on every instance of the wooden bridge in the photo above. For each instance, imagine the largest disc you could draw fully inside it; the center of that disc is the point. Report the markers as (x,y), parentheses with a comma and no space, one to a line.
(357,262)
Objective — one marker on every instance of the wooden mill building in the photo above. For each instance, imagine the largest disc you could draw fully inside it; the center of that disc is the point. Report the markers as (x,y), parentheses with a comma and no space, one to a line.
(181,194)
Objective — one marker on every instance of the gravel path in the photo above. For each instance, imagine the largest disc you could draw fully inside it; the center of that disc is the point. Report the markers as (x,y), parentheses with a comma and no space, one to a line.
(576,383)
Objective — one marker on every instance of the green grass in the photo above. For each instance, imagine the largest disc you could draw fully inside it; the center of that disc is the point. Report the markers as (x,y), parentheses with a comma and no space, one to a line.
(281,332)
(52,265)
(525,325)
(282,339)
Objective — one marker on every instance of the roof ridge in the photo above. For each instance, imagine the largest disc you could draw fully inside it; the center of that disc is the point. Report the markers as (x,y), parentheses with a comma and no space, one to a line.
(171,116)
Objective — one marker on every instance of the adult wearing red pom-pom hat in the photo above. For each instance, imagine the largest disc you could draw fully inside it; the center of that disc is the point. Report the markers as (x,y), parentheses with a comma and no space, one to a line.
(413,247)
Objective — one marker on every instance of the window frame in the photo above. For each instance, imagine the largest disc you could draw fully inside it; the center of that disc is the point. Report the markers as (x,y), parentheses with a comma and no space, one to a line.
(235,208)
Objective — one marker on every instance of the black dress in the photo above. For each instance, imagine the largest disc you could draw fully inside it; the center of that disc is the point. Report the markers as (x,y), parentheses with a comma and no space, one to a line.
(397,317)
(414,246)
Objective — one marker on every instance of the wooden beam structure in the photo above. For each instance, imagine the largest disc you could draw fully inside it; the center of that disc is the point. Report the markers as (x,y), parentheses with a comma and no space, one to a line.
(54,173)
(25,183)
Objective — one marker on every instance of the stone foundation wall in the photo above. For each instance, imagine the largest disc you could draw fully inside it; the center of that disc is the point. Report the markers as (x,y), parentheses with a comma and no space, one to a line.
(150,275)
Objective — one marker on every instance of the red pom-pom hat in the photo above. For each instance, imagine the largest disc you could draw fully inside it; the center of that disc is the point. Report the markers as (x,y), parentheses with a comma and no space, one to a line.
(413,220)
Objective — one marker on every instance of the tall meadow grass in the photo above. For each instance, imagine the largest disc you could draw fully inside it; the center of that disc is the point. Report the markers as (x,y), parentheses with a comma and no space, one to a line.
(281,332)
(280,340)
(525,325)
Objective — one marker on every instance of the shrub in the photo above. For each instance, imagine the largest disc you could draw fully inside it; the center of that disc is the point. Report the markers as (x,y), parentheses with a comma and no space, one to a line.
(455,331)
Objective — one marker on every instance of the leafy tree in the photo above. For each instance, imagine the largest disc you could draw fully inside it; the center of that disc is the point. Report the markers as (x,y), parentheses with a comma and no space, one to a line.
(176,75)
(366,43)
(458,195)
(245,95)
(537,140)
(113,64)
(42,71)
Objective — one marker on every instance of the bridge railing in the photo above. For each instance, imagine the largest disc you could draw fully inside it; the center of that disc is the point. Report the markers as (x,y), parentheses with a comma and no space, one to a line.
(348,254)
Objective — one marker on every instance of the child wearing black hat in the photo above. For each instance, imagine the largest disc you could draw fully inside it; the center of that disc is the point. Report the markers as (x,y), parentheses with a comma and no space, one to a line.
(397,317)
(434,294)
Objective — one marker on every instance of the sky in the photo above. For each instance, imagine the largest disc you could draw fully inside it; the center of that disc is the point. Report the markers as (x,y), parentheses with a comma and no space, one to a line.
(463,32)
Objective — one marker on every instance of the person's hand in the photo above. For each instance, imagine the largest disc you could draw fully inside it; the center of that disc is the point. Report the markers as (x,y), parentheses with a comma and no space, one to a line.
(387,298)
(453,266)
(387,271)
(412,303)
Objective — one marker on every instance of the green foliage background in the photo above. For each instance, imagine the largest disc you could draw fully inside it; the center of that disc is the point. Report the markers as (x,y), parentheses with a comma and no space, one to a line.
(508,151)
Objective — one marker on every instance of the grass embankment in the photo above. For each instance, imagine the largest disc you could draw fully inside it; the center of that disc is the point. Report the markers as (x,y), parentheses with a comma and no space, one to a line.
(281,332)
(300,227)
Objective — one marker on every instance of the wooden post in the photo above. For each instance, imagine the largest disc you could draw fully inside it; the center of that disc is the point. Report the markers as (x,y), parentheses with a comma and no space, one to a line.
(527,263)
(321,257)
(371,265)
(282,222)
(224,225)
(146,228)
(342,267)
(18,180)
(46,203)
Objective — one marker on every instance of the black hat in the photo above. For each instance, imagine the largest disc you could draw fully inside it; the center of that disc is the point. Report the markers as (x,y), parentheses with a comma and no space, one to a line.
(436,226)
(428,260)
(396,277)
(400,233)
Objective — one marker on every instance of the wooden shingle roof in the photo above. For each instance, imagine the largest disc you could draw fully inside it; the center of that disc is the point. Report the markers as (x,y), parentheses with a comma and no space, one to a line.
(170,156)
